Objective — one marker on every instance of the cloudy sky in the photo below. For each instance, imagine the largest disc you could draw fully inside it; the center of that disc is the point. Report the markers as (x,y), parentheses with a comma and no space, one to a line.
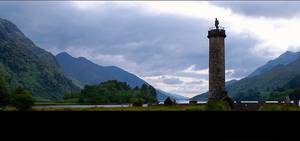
(164,43)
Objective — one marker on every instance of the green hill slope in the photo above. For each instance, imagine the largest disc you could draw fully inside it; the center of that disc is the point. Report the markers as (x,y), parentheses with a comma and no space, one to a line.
(277,77)
(29,66)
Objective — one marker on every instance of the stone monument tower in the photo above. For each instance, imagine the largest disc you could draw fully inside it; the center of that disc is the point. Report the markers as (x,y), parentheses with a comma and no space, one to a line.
(216,36)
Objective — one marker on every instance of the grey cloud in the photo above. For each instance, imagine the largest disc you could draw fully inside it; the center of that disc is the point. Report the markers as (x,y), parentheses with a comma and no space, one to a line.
(195,82)
(127,37)
(238,54)
(158,43)
(172,81)
(262,8)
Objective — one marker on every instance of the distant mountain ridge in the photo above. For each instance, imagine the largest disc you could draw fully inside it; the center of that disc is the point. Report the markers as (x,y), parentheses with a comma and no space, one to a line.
(26,65)
(200,97)
(283,59)
(84,72)
(89,73)
(162,96)
(278,76)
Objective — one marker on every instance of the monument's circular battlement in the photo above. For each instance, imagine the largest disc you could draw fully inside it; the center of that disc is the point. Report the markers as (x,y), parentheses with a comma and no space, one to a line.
(214,32)
(219,27)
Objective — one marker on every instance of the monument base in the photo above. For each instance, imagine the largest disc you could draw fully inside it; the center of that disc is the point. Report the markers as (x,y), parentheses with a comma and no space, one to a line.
(223,96)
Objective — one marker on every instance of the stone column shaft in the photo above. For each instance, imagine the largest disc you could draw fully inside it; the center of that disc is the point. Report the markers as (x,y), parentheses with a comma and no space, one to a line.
(216,64)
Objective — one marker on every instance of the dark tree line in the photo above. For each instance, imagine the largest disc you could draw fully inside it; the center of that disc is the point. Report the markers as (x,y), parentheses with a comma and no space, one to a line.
(113,91)
(19,98)
(250,94)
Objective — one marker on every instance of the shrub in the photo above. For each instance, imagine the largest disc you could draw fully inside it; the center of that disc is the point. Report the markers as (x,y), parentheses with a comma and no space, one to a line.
(137,101)
(22,99)
(217,105)
(229,101)
(5,99)
(196,108)
(278,107)
(169,102)
(193,102)
(4,95)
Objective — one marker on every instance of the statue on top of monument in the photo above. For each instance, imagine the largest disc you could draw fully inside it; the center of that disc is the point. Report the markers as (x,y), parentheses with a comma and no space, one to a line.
(217,23)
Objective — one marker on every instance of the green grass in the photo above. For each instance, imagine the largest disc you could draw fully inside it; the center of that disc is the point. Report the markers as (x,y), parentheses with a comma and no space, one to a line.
(278,107)
(60,102)
(150,108)
(57,103)
(217,105)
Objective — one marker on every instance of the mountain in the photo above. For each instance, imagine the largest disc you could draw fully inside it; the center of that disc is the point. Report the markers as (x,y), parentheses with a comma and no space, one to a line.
(230,82)
(283,59)
(162,96)
(294,83)
(200,97)
(275,78)
(86,72)
(204,96)
(29,66)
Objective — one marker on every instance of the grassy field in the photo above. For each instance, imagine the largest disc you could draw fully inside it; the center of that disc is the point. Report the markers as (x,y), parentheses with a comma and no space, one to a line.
(150,108)
(57,103)
(278,107)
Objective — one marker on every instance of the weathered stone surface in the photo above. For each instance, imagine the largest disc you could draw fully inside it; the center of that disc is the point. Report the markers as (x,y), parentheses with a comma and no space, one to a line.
(216,64)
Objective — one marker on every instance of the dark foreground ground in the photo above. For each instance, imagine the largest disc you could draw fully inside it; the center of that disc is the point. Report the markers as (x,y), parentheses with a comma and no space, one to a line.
(265,107)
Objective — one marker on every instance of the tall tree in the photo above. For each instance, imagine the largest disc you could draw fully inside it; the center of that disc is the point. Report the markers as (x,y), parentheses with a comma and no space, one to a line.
(4,91)
(22,99)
